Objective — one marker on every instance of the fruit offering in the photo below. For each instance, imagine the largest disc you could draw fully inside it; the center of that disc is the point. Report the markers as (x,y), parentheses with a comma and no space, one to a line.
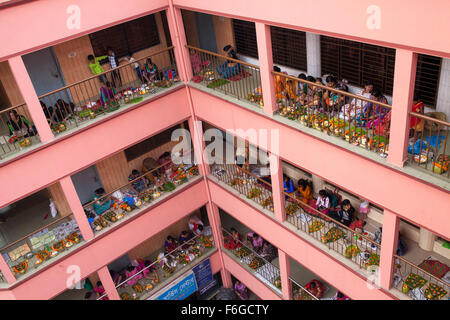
(332,235)
(125,296)
(316,226)
(256,263)
(243,252)
(110,216)
(74,237)
(43,254)
(434,292)
(352,251)
(415,281)
(193,171)
(138,288)
(292,208)
(254,193)
(21,267)
(59,246)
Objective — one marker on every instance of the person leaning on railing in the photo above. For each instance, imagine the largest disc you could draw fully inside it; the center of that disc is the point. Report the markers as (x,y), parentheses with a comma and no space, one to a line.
(19,126)
(229,68)
(96,68)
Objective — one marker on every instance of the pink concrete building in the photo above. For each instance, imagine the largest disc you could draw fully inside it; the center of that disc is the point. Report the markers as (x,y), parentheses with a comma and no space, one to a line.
(339,113)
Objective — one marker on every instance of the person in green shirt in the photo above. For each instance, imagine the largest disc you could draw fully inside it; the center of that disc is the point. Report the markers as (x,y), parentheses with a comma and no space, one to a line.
(96,68)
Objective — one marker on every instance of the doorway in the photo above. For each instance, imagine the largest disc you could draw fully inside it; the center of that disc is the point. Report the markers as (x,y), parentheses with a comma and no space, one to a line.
(86,182)
(44,70)
(205,31)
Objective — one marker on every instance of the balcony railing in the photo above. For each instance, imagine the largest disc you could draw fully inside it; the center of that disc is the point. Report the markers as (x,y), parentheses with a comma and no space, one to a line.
(360,121)
(300,293)
(42,247)
(156,275)
(230,76)
(418,283)
(261,268)
(352,245)
(126,201)
(349,243)
(246,183)
(17,131)
(428,147)
(98,96)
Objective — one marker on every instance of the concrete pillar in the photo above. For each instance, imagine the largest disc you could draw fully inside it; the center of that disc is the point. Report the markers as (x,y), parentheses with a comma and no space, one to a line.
(285,273)
(313,54)
(276,175)
(402,99)
(426,239)
(265,58)
(226,278)
(389,242)
(77,209)
(108,283)
(30,98)
(178,36)
(6,271)
(196,129)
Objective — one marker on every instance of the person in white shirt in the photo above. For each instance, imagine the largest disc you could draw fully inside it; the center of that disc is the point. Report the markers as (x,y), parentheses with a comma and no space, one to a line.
(323,202)
(128,59)
(195,225)
(114,63)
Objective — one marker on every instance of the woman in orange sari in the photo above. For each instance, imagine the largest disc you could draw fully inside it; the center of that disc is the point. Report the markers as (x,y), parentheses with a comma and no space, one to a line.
(304,191)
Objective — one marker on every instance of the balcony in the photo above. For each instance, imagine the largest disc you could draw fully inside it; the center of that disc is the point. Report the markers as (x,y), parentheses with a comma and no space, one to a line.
(33,238)
(263,262)
(72,96)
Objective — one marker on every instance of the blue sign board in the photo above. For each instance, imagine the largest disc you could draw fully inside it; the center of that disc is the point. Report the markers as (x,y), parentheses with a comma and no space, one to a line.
(180,288)
(203,274)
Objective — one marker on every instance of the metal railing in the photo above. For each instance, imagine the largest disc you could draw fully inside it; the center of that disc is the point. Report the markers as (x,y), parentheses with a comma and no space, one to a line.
(233,77)
(360,121)
(261,267)
(427,148)
(179,254)
(66,108)
(415,282)
(354,246)
(338,237)
(137,193)
(246,183)
(36,253)
(300,293)
(17,130)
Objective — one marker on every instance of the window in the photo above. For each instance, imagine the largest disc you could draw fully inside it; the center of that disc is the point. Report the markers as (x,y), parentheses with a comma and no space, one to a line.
(358,62)
(427,78)
(129,36)
(289,47)
(245,38)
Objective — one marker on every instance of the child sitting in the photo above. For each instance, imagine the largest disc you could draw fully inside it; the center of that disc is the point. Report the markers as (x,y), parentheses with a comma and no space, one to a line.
(323,201)
(304,191)
(345,214)
(316,288)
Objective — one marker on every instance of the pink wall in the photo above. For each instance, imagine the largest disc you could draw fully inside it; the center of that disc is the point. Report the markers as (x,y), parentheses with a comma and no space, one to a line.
(90,146)
(323,265)
(338,166)
(99,252)
(46,21)
(400,26)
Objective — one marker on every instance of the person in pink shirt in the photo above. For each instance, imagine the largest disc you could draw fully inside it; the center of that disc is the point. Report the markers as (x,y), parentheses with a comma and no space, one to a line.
(130,272)
(99,291)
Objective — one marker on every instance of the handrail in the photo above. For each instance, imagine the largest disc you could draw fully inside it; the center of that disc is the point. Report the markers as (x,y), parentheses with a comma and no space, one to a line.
(333,220)
(251,174)
(425,117)
(348,94)
(13,107)
(421,270)
(36,231)
(128,183)
(105,72)
(151,265)
(303,288)
(223,56)
(254,252)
